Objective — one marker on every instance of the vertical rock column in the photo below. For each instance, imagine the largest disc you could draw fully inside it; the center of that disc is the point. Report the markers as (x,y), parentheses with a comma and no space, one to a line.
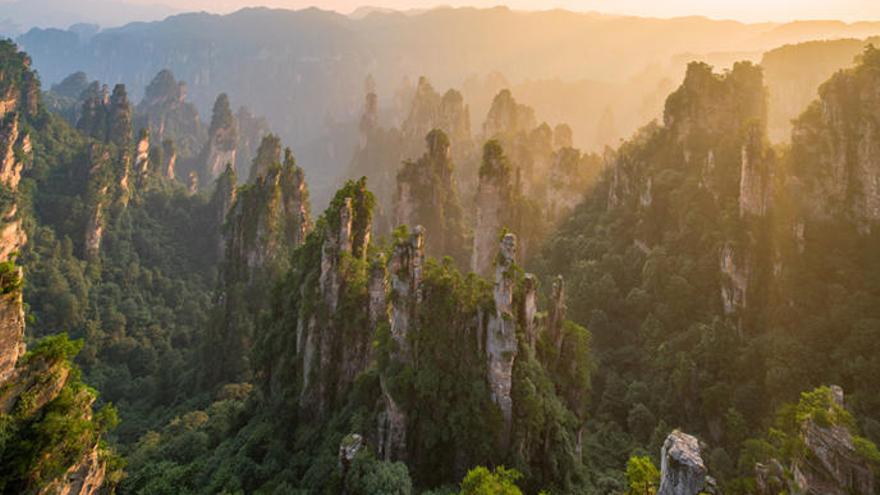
(682,471)
(501,344)
(406,265)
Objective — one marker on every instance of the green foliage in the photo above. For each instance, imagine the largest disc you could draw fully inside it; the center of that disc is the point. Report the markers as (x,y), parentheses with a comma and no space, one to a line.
(10,278)
(499,481)
(642,476)
(369,476)
(38,444)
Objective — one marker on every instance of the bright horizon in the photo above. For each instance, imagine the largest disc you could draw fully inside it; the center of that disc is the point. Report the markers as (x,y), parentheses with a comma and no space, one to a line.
(740,10)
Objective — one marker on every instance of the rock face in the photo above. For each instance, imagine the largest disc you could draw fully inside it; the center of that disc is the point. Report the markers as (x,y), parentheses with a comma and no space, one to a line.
(166,113)
(251,130)
(406,278)
(261,224)
(734,280)
(16,87)
(506,117)
(501,343)
(329,360)
(494,202)
(98,197)
(169,159)
(427,195)
(107,117)
(406,265)
(11,331)
(142,154)
(431,111)
(714,134)
(832,465)
(222,140)
(268,220)
(755,187)
(29,382)
(83,478)
(682,471)
(836,146)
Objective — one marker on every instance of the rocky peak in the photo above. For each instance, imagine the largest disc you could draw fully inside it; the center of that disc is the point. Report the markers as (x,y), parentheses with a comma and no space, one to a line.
(344,234)
(119,117)
(501,342)
(268,154)
(266,221)
(251,130)
(427,194)
(494,200)
(165,111)
(164,90)
(407,261)
(369,119)
(224,195)
(507,117)
(430,111)
(424,110)
(222,139)
(713,104)
(563,137)
(107,117)
(682,471)
(556,313)
(836,146)
(454,117)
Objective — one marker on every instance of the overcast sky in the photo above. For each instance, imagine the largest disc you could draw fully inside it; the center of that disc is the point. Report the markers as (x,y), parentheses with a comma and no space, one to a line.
(745,10)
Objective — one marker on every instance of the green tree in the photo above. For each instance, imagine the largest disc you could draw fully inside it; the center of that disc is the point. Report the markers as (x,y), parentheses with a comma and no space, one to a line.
(642,476)
(481,481)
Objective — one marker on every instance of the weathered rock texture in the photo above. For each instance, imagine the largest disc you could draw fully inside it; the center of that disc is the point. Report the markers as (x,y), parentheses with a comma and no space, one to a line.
(29,382)
(427,195)
(494,203)
(501,343)
(261,224)
(682,471)
(222,140)
(714,134)
(836,146)
(831,466)
(268,219)
(329,357)
(166,113)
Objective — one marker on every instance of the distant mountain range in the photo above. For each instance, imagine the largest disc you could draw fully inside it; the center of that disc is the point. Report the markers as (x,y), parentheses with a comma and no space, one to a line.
(305,70)
(18,16)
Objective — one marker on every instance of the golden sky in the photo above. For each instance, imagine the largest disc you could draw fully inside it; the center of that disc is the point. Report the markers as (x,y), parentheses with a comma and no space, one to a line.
(744,10)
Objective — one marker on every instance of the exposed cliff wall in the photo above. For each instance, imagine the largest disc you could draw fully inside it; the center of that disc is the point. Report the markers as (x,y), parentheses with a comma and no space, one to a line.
(836,147)
(222,141)
(262,224)
(334,351)
(823,455)
(501,341)
(427,195)
(165,111)
(48,425)
(713,137)
(494,204)
(430,111)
